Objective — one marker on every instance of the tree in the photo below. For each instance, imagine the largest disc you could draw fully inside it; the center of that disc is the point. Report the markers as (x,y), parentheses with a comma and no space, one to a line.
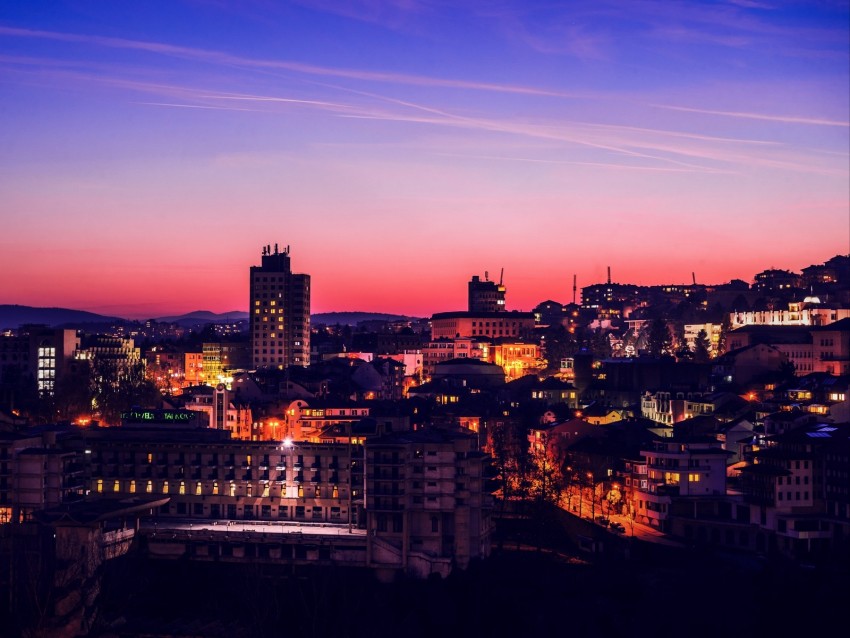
(73,395)
(702,347)
(559,343)
(600,345)
(725,327)
(117,387)
(659,341)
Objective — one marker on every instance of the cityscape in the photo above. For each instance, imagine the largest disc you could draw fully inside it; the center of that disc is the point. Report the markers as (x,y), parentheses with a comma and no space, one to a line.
(387,318)
(693,419)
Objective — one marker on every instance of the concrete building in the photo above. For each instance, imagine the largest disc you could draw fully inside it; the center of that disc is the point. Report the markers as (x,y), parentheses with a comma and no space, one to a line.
(677,467)
(280,312)
(490,325)
(426,499)
(39,352)
(486,295)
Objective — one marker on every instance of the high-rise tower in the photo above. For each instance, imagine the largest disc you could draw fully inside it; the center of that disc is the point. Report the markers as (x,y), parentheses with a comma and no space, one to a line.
(280,312)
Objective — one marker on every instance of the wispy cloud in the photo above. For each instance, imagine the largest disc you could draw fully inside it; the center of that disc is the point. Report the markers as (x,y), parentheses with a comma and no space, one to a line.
(220,58)
(787,119)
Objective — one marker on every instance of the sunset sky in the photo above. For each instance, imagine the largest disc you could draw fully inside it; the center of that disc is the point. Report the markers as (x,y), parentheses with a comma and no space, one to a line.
(151,149)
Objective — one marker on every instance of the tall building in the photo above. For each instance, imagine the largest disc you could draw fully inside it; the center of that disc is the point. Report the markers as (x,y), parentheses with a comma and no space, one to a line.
(486,296)
(280,312)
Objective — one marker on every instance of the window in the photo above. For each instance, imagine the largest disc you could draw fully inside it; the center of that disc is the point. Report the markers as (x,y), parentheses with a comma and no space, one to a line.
(116,487)
(165,487)
(132,487)
(198,490)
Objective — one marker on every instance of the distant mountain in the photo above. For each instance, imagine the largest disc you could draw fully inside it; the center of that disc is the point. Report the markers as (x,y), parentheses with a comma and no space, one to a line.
(13,316)
(354,317)
(204,316)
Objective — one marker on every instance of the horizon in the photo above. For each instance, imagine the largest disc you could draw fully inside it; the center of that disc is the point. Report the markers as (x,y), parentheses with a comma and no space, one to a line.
(167,314)
(401,148)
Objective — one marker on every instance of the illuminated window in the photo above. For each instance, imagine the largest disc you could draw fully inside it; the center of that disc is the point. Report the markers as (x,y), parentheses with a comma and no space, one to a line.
(116,487)
(99,485)
(182,488)
(198,488)
(249,490)
(318,491)
(149,487)
(215,487)
(233,489)
(300,491)
(132,487)
(150,458)
(693,478)
(165,487)
(265,490)
(335,492)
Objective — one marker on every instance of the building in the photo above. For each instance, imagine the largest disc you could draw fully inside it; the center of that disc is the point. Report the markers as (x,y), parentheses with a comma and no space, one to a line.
(677,467)
(486,296)
(280,312)
(426,499)
(38,352)
(490,325)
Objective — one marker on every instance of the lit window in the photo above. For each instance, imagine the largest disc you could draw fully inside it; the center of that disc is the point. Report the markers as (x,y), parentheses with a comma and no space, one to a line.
(132,487)
(165,487)
(99,485)
(233,489)
(149,487)
(215,487)
(116,487)
(182,489)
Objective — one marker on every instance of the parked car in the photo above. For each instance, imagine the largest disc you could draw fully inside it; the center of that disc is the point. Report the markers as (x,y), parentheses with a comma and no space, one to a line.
(617,527)
(602,521)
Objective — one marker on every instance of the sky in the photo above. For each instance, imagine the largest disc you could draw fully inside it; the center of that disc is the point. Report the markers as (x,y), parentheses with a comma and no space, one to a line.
(149,150)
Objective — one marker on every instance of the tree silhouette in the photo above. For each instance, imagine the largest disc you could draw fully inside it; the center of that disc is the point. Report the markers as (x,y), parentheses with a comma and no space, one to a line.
(702,347)
(659,341)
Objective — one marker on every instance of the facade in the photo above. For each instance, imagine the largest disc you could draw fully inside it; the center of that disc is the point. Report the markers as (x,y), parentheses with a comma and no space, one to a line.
(426,497)
(676,467)
(280,312)
(38,352)
(490,325)
(831,348)
(712,332)
(421,496)
(796,314)
(797,489)
(517,358)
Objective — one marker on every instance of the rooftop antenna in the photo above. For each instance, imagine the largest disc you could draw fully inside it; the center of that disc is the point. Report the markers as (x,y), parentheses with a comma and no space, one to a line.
(486,276)
(574,289)
(609,274)
(501,276)
(694,277)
